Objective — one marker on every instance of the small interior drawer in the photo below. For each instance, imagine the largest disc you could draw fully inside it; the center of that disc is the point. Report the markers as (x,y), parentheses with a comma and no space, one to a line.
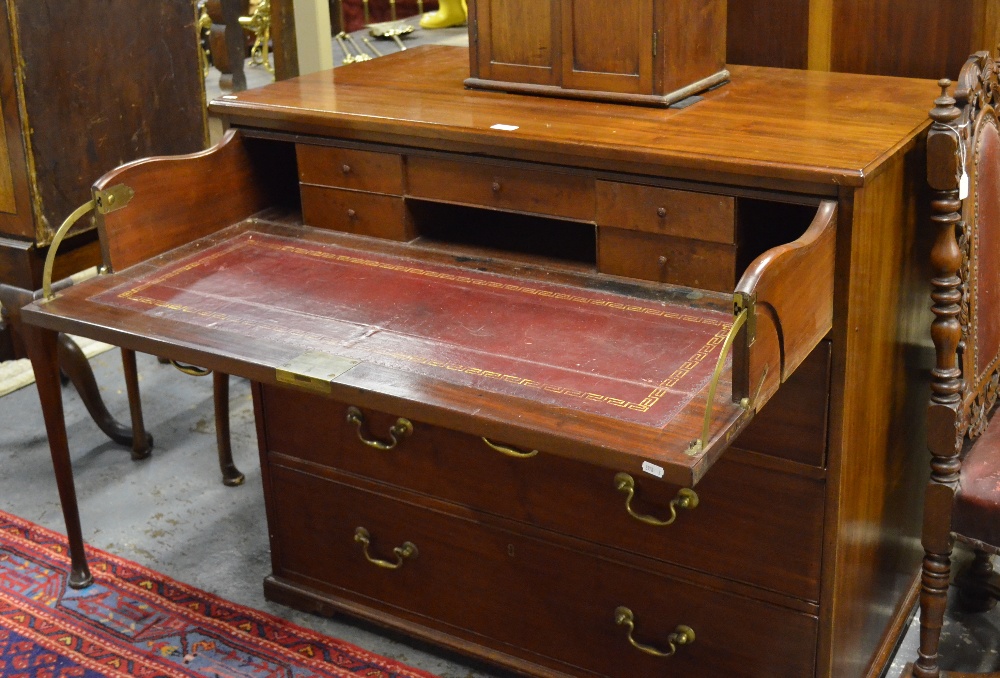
(382,216)
(666,211)
(350,168)
(666,259)
(538,599)
(552,194)
(743,508)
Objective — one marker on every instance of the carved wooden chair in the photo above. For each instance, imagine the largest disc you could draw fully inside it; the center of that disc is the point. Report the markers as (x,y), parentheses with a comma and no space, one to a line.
(963,495)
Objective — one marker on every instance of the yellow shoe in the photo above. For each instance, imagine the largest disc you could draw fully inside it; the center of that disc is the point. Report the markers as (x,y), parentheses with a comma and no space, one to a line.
(450,13)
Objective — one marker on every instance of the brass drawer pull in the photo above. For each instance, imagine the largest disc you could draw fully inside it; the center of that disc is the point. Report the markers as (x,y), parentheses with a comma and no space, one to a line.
(682,635)
(509,451)
(191,370)
(397,431)
(407,550)
(686,499)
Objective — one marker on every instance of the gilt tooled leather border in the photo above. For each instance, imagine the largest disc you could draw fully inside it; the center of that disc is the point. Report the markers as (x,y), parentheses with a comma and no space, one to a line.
(134,294)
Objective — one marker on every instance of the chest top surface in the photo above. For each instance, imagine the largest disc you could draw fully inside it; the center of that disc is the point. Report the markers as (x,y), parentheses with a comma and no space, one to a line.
(825,128)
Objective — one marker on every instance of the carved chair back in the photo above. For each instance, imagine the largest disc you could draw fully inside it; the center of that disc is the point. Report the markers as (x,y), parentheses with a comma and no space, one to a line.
(963,168)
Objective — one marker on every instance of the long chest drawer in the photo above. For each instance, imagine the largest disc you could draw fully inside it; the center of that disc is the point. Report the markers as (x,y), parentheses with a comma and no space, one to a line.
(744,509)
(544,602)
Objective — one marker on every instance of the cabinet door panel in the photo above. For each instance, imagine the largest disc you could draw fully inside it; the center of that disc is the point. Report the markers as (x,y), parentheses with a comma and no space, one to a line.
(517,41)
(618,58)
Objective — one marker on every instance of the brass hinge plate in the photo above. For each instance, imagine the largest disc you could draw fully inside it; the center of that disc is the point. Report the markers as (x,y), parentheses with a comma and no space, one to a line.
(314,371)
(113,198)
(743,301)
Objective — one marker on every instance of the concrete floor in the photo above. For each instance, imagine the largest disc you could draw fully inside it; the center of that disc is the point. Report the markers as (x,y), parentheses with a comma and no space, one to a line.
(171,512)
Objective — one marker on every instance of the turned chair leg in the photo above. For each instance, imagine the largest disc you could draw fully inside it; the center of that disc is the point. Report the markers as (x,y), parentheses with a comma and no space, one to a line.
(73,367)
(978,586)
(231,475)
(935,578)
(42,349)
(74,364)
(140,446)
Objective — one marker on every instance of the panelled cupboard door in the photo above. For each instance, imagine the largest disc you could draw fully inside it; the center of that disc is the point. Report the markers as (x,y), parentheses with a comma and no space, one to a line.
(518,40)
(617,57)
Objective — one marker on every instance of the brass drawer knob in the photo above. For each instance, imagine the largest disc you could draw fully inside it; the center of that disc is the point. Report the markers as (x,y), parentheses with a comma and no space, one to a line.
(509,451)
(686,499)
(346,168)
(496,187)
(402,553)
(661,212)
(351,214)
(682,635)
(190,370)
(397,431)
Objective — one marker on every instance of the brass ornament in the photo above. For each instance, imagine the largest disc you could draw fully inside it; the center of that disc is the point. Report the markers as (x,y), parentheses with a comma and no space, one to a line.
(407,551)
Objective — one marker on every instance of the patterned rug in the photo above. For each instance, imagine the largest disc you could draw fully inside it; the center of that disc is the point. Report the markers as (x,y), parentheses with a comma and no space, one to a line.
(134,622)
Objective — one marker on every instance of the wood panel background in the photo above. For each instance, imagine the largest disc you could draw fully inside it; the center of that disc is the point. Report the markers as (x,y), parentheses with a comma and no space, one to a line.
(909,38)
(93,104)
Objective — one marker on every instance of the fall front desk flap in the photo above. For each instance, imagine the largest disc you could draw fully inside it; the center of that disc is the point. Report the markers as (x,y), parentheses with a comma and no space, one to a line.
(616,379)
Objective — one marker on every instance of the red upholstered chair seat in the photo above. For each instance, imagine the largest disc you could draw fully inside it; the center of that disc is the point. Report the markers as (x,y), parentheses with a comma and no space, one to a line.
(977,503)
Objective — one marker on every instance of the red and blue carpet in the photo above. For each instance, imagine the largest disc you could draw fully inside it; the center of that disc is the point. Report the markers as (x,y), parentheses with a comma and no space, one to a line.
(135,622)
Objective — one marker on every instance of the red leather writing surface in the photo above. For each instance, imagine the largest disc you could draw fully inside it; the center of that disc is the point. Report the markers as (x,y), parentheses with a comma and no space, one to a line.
(598,352)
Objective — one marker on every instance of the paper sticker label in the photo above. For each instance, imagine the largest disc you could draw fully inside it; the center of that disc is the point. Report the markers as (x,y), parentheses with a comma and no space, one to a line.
(505,128)
(963,186)
(652,469)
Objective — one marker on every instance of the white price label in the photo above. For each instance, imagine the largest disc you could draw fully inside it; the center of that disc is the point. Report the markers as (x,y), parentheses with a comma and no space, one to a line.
(652,469)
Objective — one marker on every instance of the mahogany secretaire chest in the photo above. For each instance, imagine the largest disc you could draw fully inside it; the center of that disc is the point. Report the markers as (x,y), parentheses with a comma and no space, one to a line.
(485,331)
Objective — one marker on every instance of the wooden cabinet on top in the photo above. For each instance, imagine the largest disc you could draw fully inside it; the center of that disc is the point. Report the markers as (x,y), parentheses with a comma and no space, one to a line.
(653,52)
(482,339)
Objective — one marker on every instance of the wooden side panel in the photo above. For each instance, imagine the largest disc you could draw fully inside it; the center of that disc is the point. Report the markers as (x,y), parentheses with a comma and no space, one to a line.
(284,44)
(910,38)
(791,288)
(8,202)
(986,25)
(691,45)
(768,33)
(15,201)
(172,205)
(881,359)
(93,104)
